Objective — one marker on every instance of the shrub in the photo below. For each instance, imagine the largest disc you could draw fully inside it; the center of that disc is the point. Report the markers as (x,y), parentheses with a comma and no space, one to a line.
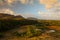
(19,34)
(16,34)
(31,31)
(1,35)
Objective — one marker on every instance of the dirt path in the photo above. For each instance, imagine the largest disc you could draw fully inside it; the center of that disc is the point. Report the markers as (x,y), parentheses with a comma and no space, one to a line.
(54,27)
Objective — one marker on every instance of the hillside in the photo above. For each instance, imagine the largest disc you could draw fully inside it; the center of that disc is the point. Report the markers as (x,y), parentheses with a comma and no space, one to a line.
(18,28)
(10,17)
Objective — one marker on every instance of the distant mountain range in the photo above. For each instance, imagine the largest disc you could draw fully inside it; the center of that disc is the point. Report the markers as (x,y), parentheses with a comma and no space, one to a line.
(31,18)
(15,17)
(8,16)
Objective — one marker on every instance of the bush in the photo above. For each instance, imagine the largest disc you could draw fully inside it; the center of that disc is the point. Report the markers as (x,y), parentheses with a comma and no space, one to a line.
(19,34)
(1,35)
(31,31)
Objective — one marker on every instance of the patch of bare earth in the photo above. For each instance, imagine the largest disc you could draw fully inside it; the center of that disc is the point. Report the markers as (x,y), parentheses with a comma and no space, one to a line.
(8,35)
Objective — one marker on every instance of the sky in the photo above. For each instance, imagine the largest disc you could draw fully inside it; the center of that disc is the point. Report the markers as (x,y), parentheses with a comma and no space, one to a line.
(41,9)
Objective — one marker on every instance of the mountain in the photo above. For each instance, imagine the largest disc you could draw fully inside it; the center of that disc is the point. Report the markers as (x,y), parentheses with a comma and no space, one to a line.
(18,17)
(31,18)
(8,17)
(5,15)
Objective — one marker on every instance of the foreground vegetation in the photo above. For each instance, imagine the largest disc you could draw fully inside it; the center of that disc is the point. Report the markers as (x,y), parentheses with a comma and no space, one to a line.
(24,29)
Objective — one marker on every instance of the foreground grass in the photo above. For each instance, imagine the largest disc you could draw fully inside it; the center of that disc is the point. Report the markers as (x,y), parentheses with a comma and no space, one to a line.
(29,32)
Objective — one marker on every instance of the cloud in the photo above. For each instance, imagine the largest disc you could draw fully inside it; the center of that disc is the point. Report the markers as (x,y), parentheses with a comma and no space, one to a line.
(6,11)
(56,9)
(27,1)
(48,3)
(10,2)
(53,9)
(31,2)
(23,1)
(3,2)
(48,15)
